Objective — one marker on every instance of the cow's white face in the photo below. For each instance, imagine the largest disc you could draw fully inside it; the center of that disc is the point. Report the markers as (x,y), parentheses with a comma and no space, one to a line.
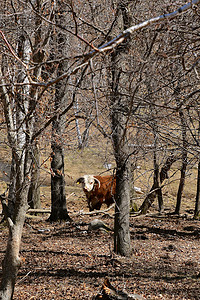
(87,182)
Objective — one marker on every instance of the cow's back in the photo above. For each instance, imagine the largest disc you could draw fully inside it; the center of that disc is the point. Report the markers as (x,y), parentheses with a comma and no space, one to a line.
(107,188)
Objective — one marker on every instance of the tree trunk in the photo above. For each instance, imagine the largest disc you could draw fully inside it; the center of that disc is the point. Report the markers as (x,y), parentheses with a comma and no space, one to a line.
(122,205)
(148,201)
(12,261)
(132,191)
(122,208)
(184,153)
(197,204)
(16,104)
(163,175)
(197,200)
(76,110)
(120,145)
(34,190)
(181,183)
(157,187)
(58,198)
(12,188)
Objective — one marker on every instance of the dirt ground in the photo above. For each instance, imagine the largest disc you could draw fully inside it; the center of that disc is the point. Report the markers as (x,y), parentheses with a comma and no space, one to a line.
(65,261)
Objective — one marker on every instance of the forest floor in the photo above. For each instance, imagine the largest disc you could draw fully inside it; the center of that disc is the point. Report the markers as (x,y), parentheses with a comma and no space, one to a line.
(65,261)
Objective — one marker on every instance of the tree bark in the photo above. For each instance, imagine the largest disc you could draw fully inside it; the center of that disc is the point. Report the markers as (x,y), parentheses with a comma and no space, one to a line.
(120,146)
(132,191)
(34,190)
(184,147)
(181,183)
(12,188)
(157,187)
(58,198)
(20,124)
(197,201)
(122,206)
(12,261)
(122,209)
(119,129)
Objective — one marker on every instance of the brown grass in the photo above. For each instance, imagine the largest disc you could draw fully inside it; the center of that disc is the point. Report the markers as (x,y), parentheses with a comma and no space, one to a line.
(92,160)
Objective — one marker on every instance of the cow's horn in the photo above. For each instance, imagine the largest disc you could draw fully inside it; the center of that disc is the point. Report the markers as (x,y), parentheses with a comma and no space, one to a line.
(97,180)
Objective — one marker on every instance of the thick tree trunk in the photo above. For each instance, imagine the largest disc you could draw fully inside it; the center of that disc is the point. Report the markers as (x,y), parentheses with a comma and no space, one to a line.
(122,209)
(120,145)
(12,262)
(58,198)
(19,105)
(16,104)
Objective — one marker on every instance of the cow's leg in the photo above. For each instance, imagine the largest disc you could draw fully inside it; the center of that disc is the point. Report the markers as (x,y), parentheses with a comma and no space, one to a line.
(96,203)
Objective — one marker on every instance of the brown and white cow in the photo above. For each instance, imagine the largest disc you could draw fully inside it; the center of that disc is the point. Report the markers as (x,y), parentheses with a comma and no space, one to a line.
(98,190)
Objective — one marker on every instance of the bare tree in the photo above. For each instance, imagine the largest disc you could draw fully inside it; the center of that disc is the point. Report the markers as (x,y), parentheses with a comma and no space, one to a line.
(58,197)
(184,159)
(197,200)
(163,174)
(120,145)
(19,88)
(19,104)
(19,134)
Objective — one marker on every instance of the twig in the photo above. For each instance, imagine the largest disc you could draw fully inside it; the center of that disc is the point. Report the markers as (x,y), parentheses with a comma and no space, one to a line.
(23,278)
(96,212)
(12,51)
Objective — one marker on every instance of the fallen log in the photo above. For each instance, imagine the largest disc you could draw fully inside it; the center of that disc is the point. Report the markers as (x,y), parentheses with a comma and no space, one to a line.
(39,210)
(109,292)
(81,212)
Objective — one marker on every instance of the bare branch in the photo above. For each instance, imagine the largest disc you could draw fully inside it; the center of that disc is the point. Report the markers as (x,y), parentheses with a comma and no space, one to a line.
(119,39)
(12,51)
(105,47)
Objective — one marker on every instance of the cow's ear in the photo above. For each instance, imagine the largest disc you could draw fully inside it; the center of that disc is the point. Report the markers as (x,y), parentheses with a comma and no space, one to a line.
(79,180)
